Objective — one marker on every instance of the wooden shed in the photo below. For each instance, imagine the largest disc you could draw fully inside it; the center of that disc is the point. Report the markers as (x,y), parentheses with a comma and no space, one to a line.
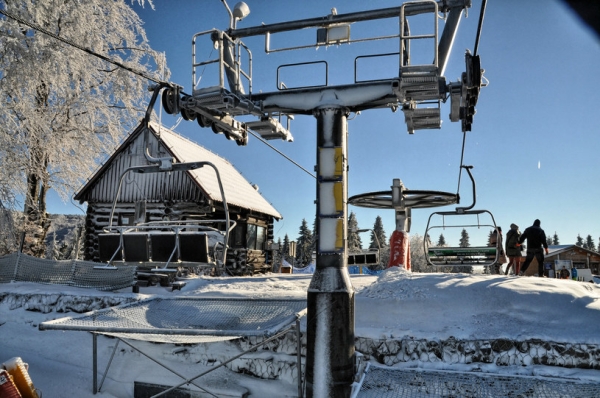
(178,195)
(580,258)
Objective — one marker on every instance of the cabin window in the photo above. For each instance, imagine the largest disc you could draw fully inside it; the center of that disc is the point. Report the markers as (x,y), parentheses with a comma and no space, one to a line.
(255,237)
(261,233)
(126,219)
(236,238)
(251,237)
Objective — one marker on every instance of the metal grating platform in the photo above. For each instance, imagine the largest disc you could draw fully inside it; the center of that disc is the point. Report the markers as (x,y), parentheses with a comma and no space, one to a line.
(185,320)
(417,383)
(188,316)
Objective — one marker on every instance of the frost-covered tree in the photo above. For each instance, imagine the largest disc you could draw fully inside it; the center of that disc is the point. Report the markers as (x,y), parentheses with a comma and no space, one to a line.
(9,236)
(61,108)
(53,252)
(441,241)
(464,239)
(555,240)
(354,241)
(417,254)
(378,238)
(579,241)
(427,238)
(304,245)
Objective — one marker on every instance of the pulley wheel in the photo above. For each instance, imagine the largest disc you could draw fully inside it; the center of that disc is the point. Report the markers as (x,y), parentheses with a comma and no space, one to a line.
(188,114)
(242,141)
(203,121)
(412,199)
(168,100)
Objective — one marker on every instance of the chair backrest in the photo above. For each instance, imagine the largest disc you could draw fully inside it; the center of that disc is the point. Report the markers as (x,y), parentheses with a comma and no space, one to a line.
(162,245)
(193,247)
(108,244)
(136,247)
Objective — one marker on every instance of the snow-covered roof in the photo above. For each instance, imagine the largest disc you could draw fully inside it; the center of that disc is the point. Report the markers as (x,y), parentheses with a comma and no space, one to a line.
(557,249)
(238,191)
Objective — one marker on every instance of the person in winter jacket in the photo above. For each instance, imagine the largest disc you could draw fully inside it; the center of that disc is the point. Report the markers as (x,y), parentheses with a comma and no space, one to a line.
(512,250)
(495,240)
(536,239)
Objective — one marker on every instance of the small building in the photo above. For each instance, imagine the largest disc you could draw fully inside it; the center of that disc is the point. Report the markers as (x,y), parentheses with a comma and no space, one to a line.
(178,196)
(580,258)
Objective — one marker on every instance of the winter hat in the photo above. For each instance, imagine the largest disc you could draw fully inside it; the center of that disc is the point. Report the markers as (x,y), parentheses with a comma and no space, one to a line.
(536,223)
(514,226)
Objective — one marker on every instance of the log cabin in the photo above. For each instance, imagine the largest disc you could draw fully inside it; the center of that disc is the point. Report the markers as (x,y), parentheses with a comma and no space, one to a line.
(178,196)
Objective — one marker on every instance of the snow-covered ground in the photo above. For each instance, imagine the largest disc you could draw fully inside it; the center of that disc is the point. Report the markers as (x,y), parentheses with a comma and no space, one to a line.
(395,304)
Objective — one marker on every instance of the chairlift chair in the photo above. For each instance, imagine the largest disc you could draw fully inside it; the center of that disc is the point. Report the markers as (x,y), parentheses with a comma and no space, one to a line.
(150,241)
(486,256)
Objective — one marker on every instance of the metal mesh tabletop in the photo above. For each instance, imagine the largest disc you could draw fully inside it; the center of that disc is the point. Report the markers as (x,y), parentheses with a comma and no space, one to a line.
(188,316)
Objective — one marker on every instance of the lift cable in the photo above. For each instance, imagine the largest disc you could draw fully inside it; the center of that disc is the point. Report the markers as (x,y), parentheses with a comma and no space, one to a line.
(477,36)
(281,153)
(120,65)
(481,14)
(69,42)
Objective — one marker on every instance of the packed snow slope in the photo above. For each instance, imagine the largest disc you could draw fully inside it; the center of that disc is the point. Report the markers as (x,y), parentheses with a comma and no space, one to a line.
(398,303)
(394,304)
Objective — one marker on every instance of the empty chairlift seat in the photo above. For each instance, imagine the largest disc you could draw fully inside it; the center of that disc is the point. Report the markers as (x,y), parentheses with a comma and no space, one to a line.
(193,247)
(163,246)
(108,244)
(136,247)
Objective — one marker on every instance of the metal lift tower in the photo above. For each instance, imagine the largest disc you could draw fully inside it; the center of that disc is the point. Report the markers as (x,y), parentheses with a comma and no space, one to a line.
(416,89)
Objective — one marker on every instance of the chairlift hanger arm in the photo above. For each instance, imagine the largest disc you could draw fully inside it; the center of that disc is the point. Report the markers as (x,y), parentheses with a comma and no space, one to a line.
(463,209)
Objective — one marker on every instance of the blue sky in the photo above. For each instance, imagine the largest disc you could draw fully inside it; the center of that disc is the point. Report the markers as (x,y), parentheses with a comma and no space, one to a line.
(534,143)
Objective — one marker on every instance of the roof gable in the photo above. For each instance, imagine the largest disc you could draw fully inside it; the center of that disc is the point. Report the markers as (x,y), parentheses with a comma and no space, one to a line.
(238,191)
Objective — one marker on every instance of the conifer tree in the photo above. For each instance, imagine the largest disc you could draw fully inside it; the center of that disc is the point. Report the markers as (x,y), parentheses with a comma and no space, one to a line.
(579,241)
(378,238)
(277,255)
(589,243)
(464,239)
(555,239)
(490,234)
(441,241)
(354,241)
(285,250)
(304,245)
